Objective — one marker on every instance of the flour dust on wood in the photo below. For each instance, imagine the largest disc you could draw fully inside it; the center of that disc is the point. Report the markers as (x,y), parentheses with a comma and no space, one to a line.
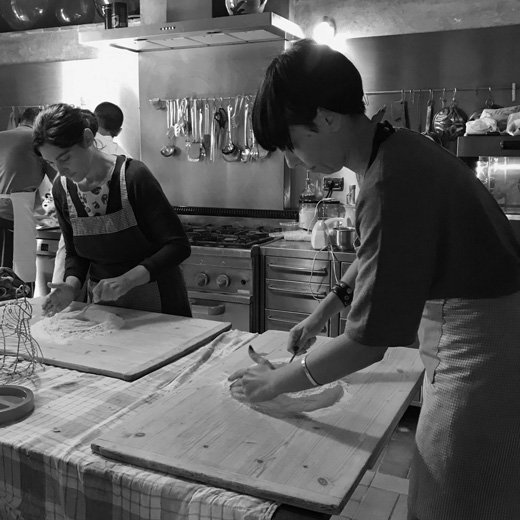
(67,326)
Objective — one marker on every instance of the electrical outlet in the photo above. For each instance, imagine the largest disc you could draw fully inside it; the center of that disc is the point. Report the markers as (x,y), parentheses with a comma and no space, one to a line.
(337,183)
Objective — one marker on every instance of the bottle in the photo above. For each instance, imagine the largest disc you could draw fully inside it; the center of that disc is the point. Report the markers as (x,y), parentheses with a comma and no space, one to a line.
(308,201)
(350,206)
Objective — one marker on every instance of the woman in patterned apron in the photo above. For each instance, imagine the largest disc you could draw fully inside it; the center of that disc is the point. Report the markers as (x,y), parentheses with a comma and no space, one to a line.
(436,260)
(121,233)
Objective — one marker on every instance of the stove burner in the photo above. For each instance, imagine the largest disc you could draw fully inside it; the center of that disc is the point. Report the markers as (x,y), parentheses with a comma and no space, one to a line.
(225,236)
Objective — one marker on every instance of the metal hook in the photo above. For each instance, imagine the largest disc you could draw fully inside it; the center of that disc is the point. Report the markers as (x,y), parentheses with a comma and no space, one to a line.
(454,95)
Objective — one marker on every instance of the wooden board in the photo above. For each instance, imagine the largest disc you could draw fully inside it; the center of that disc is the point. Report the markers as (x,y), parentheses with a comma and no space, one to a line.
(148,341)
(312,461)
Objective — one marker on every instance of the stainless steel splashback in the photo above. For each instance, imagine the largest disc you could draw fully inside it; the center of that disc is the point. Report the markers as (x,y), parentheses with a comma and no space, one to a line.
(206,72)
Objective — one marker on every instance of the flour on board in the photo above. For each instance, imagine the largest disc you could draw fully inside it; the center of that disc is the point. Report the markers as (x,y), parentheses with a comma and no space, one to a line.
(67,326)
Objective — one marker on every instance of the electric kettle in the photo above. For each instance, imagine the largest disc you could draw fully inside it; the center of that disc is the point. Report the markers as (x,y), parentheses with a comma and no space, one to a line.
(339,237)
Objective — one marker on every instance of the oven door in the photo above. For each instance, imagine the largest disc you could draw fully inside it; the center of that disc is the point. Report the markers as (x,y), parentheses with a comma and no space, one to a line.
(233,308)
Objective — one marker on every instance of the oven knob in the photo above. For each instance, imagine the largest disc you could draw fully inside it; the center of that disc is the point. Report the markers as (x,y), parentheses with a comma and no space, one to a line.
(223,281)
(202,279)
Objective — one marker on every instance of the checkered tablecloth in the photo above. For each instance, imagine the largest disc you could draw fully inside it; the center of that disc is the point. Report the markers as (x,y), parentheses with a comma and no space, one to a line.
(48,471)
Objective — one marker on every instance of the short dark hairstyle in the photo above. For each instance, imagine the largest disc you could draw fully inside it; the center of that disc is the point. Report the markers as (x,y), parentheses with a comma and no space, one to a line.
(29,115)
(299,81)
(110,117)
(61,125)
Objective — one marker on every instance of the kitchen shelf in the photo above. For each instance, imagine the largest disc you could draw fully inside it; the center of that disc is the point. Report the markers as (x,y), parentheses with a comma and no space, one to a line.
(225,30)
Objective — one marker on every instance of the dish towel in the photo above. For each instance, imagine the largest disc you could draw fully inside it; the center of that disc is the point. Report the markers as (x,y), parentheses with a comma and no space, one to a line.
(24,231)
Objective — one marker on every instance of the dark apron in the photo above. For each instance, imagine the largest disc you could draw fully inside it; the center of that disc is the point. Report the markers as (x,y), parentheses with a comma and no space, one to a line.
(114,244)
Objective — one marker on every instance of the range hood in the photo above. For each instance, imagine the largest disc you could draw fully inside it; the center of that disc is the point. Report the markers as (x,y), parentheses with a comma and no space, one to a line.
(225,30)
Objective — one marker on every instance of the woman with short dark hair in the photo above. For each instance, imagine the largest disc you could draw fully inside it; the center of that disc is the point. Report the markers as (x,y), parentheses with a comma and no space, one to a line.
(437,258)
(119,228)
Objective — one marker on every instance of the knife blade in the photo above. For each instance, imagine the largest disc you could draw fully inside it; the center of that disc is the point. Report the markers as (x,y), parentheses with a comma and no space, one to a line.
(257,358)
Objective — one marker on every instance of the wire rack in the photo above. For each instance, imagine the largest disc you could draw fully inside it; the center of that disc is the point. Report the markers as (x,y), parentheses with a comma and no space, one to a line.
(20,353)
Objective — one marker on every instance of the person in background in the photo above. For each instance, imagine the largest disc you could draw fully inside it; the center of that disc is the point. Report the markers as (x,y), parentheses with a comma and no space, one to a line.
(118,226)
(437,261)
(20,170)
(110,119)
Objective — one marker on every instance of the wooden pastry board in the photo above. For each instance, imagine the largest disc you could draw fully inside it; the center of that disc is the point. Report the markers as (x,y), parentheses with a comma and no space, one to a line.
(148,341)
(313,461)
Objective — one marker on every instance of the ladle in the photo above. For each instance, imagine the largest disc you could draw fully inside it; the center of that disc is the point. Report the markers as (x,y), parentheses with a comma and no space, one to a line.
(169,149)
(202,151)
(245,153)
(193,145)
(230,152)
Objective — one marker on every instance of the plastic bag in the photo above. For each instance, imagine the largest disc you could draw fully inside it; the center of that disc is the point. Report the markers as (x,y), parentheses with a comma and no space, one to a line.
(481,126)
(500,115)
(513,124)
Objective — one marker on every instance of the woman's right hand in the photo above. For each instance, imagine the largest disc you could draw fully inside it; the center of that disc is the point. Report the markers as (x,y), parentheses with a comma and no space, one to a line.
(60,297)
(303,335)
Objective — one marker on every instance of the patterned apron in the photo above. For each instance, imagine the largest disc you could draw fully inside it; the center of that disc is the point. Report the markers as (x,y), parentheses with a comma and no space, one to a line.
(467,460)
(115,242)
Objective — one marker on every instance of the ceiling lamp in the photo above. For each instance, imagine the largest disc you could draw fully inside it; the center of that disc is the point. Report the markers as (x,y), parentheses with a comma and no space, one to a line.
(324,31)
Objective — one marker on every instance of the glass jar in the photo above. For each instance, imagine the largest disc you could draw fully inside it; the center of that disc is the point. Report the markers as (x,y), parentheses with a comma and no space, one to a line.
(330,208)
(307,213)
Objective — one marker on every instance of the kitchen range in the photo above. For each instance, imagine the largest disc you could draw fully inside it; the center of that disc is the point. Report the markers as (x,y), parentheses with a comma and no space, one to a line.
(223,273)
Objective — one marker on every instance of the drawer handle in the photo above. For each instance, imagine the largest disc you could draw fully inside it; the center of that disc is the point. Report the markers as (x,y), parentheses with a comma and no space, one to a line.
(319,295)
(210,310)
(290,269)
(510,145)
(290,322)
(277,320)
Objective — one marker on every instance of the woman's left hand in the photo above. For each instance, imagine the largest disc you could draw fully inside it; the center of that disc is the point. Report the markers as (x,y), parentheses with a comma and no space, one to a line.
(253,384)
(110,289)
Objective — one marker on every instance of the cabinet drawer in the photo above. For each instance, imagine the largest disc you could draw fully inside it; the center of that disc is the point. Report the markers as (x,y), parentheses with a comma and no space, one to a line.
(294,296)
(283,320)
(297,269)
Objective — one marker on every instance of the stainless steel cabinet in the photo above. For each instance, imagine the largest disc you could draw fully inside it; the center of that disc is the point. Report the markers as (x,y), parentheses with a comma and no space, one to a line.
(293,287)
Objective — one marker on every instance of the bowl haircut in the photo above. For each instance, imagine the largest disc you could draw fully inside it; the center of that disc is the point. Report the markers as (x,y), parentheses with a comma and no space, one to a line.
(300,80)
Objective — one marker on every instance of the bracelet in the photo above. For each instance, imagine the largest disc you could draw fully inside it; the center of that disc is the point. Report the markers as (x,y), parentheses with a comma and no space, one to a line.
(344,292)
(308,374)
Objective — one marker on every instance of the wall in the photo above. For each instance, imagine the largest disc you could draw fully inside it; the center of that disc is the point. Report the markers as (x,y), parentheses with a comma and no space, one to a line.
(84,82)
(362,18)
(205,72)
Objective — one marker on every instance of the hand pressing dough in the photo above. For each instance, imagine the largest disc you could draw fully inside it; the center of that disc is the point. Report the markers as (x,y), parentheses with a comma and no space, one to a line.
(300,402)
(67,326)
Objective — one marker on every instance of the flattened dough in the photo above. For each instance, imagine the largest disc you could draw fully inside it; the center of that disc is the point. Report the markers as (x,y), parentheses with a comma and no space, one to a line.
(67,326)
(301,402)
